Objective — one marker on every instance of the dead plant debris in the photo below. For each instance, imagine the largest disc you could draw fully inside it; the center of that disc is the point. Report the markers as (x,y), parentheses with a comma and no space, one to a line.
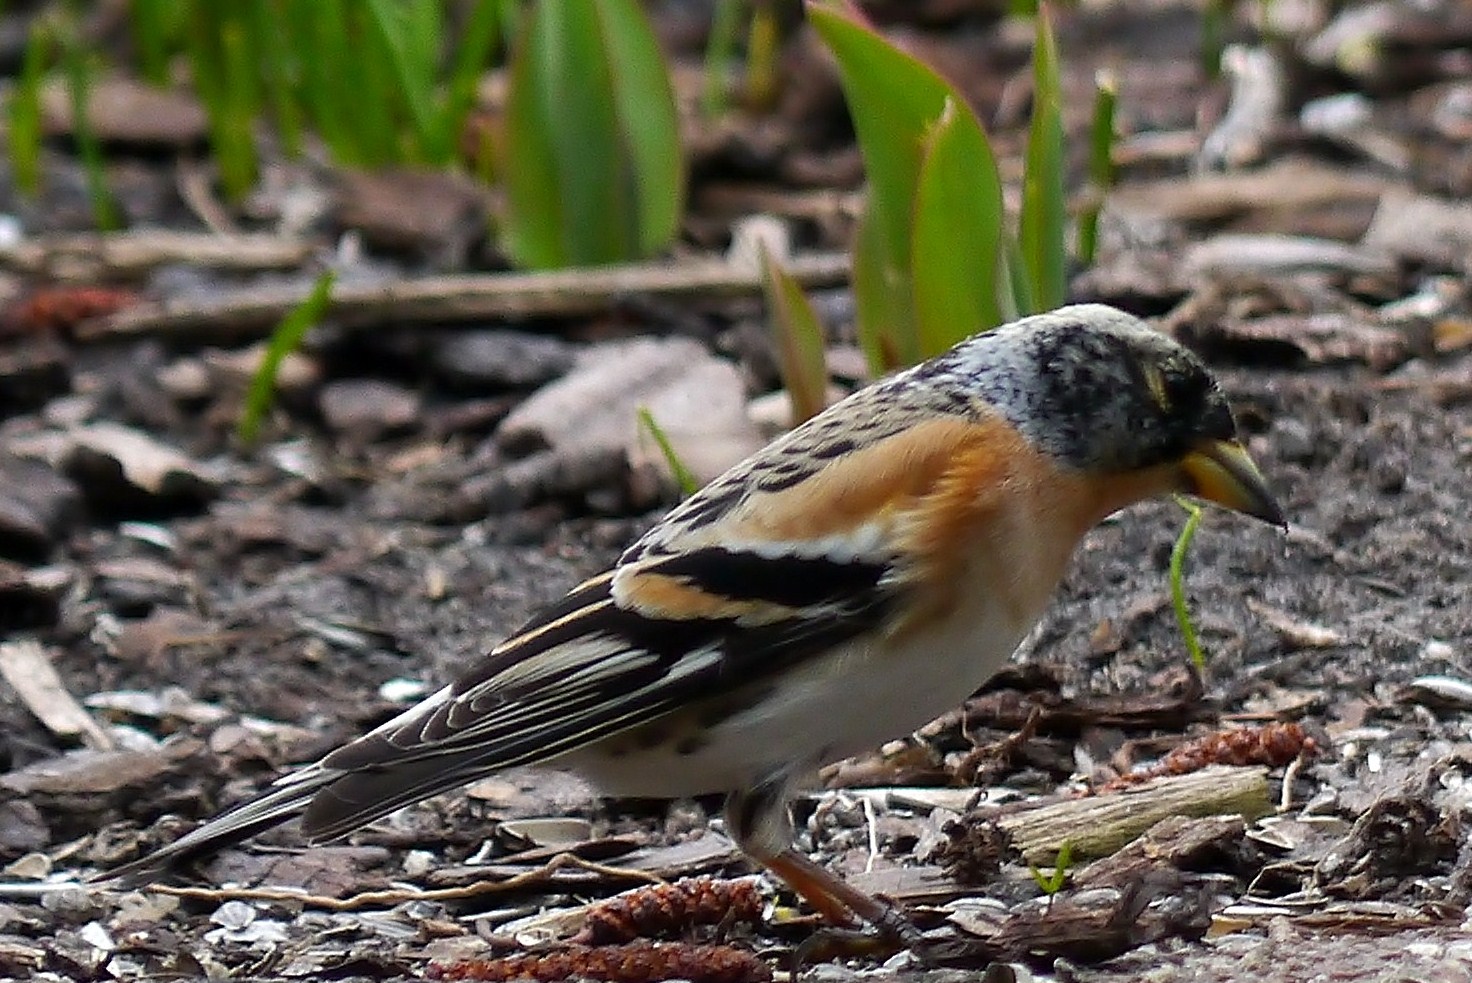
(629,962)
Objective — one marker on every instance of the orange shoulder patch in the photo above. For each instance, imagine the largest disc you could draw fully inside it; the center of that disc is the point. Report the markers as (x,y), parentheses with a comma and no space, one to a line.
(859,488)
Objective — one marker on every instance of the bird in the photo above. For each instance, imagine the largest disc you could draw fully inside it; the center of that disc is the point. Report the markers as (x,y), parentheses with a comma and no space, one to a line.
(854,579)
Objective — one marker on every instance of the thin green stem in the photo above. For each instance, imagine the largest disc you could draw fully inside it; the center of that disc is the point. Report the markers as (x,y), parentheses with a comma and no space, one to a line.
(1178,582)
(25,111)
(1101,163)
(763,50)
(286,339)
(720,51)
(79,82)
(683,477)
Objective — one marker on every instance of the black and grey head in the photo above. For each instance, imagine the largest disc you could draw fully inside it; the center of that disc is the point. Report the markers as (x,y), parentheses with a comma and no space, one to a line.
(1095,387)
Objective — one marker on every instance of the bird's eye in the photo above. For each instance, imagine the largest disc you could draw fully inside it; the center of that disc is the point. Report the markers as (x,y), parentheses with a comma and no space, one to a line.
(1156,382)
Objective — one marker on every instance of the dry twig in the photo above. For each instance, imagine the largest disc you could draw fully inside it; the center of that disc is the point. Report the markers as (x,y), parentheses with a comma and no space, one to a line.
(396,896)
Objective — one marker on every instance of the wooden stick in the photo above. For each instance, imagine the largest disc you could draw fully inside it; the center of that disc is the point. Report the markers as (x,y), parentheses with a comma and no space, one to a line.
(92,256)
(250,312)
(1099,825)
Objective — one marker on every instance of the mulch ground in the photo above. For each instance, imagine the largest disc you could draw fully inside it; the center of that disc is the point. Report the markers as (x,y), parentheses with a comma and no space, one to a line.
(185,616)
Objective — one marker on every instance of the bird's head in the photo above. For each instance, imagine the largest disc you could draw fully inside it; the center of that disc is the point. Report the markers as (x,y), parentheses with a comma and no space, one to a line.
(1105,393)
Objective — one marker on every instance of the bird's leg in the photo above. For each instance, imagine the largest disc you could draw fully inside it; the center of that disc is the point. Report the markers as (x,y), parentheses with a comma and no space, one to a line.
(759,822)
(839,901)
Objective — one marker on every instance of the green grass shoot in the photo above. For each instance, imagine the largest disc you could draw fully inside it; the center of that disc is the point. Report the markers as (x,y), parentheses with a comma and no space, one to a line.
(720,53)
(76,61)
(285,339)
(153,29)
(1101,163)
(1043,224)
(1177,582)
(683,477)
(799,336)
(278,66)
(24,111)
(1052,883)
(382,82)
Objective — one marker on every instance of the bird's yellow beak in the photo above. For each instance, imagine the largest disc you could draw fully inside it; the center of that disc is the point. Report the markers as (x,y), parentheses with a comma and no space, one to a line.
(1220,471)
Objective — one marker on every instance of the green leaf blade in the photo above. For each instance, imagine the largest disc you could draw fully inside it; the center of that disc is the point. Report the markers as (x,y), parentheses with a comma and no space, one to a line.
(957,229)
(913,304)
(593,168)
(1044,219)
(882,300)
(647,123)
(579,110)
(799,336)
(893,98)
(1101,164)
(534,208)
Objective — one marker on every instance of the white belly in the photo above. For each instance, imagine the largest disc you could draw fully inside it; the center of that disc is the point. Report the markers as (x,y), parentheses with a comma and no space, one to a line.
(853,700)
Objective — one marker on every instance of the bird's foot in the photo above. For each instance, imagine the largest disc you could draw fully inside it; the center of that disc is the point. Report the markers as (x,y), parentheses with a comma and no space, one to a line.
(888,932)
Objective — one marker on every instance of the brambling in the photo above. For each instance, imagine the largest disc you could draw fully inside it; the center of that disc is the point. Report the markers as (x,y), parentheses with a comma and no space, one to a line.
(848,583)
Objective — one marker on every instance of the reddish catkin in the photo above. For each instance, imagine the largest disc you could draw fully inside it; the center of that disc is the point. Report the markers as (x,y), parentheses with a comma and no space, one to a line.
(669,909)
(632,962)
(1273,745)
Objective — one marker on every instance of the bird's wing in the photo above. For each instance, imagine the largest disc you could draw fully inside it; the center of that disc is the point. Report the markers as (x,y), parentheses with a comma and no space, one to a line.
(619,651)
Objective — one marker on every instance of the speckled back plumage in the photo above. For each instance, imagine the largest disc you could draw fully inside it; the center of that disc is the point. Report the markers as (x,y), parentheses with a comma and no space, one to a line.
(1094,387)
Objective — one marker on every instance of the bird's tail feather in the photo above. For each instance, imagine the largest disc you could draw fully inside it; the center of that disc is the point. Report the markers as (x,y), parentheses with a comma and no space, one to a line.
(284,800)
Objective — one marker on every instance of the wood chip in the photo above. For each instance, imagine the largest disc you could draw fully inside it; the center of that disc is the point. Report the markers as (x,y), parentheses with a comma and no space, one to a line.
(26,666)
(1172,842)
(1423,229)
(107,459)
(1286,186)
(1275,255)
(1295,632)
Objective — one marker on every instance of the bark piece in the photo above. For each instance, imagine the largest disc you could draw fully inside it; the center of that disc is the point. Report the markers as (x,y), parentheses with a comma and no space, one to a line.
(433,214)
(1175,842)
(125,111)
(120,469)
(698,401)
(1100,825)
